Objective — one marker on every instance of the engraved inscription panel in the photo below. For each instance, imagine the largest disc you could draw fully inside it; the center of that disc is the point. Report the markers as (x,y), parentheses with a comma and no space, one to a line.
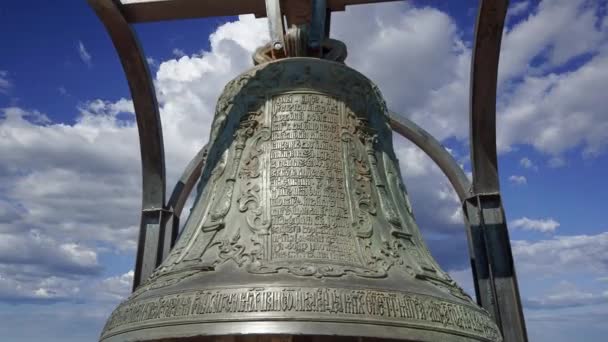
(362,305)
(307,202)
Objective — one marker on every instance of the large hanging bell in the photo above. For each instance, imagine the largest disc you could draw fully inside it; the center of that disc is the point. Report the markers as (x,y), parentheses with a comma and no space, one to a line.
(301,228)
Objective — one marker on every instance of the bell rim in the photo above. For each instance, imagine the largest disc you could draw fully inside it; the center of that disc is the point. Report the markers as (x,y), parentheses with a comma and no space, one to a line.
(460,317)
(290,327)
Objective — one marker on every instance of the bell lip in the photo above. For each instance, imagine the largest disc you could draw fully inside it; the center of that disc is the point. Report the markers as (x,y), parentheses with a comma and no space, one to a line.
(207,330)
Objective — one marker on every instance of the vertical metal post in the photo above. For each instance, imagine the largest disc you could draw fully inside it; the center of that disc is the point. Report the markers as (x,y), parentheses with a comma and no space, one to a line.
(317,24)
(486,295)
(275,25)
(150,244)
(492,248)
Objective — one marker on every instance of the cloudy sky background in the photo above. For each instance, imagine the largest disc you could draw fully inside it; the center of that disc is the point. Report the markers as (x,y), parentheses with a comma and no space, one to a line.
(70,176)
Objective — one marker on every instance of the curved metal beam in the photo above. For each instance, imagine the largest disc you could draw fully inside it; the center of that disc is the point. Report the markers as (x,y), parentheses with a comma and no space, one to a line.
(178,198)
(484,74)
(495,270)
(150,134)
(433,148)
(435,151)
(186,182)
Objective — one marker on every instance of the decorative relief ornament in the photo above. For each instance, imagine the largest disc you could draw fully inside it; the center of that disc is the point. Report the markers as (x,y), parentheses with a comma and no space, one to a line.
(302,215)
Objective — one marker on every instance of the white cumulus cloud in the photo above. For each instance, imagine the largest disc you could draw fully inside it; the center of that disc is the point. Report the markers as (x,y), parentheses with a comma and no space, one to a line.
(563,255)
(548,225)
(566,295)
(517,179)
(518,8)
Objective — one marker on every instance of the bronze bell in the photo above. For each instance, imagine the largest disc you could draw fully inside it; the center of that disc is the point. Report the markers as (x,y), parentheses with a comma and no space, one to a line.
(301,227)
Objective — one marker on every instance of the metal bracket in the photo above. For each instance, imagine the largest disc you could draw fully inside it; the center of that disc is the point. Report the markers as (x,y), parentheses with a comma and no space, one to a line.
(276,27)
(317,32)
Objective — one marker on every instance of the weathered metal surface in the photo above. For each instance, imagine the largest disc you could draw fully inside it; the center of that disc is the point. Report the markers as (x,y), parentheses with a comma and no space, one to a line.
(151,241)
(301,225)
(137,11)
(495,272)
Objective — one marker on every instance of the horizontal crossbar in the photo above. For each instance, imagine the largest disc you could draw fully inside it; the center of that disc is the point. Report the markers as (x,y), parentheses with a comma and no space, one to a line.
(140,11)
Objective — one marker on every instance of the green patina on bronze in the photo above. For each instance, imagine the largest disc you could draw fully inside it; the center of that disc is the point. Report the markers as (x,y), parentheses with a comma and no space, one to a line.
(301,225)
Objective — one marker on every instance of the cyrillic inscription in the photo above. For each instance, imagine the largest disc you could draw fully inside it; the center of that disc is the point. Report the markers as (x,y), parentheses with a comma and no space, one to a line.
(307,201)
(349,304)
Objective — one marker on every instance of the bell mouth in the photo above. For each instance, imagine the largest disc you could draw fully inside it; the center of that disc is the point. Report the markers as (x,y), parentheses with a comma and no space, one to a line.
(313,312)
(278,331)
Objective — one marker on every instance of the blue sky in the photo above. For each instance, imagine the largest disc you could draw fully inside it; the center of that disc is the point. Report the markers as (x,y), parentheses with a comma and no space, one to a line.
(70,173)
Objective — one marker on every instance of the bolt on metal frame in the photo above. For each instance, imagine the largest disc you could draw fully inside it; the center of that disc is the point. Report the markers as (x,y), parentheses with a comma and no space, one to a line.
(490,253)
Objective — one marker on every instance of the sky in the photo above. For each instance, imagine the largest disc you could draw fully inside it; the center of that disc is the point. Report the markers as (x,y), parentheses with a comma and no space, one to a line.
(70,174)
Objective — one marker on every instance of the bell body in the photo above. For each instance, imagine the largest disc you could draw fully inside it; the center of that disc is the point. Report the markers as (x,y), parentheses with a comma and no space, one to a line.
(301,228)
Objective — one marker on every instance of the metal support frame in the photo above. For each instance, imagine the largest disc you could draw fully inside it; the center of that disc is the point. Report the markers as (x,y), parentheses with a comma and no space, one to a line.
(140,11)
(159,223)
(318,33)
(450,168)
(496,276)
(490,252)
(489,246)
(150,248)
(180,195)
(433,148)
(275,26)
